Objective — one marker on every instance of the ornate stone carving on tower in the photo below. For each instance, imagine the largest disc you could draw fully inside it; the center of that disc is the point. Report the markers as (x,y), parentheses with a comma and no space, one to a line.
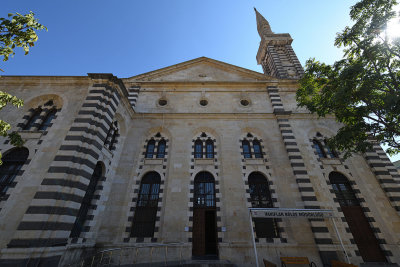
(275,53)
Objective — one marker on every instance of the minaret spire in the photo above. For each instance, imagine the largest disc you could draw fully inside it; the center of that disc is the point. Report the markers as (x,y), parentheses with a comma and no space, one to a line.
(275,53)
(263,26)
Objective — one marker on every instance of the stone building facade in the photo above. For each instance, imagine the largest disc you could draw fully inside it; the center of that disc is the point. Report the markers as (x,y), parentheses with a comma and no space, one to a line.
(165,165)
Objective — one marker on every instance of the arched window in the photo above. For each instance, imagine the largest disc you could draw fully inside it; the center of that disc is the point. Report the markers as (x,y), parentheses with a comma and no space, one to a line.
(144,219)
(198,149)
(257,149)
(246,149)
(261,198)
(161,149)
(86,202)
(209,149)
(33,118)
(319,148)
(204,190)
(342,188)
(12,163)
(150,149)
(46,123)
(359,226)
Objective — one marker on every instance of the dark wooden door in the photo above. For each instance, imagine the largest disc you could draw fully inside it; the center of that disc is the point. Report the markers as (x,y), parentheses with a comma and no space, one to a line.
(199,233)
(363,236)
(204,241)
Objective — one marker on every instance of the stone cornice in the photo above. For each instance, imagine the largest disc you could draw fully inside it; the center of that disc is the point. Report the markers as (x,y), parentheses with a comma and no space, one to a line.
(232,116)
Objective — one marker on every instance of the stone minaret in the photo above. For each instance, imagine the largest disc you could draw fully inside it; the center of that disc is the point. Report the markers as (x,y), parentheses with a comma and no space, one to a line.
(275,53)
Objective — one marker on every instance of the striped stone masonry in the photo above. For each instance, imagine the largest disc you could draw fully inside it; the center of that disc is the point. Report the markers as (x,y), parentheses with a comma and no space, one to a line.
(276,100)
(53,210)
(319,227)
(386,174)
(133,94)
(295,61)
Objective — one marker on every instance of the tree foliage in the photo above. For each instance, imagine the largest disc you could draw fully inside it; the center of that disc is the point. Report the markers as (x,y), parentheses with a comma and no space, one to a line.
(15,31)
(362,89)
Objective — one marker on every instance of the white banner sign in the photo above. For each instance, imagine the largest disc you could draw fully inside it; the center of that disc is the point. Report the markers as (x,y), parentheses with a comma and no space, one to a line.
(291,213)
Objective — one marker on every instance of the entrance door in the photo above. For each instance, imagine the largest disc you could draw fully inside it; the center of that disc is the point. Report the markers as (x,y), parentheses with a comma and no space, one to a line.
(365,239)
(363,235)
(204,241)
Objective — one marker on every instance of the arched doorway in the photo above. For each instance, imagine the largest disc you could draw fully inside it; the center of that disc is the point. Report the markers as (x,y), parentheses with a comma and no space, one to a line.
(204,216)
(365,239)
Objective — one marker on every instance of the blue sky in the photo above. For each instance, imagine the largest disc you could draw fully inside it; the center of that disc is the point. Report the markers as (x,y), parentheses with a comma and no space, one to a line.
(127,37)
(130,37)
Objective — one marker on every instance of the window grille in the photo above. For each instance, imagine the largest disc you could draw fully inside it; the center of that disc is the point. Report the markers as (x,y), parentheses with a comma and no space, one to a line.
(150,149)
(48,119)
(204,190)
(198,149)
(319,148)
(161,149)
(246,149)
(146,207)
(209,149)
(343,190)
(261,198)
(257,149)
(12,164)
(33,118)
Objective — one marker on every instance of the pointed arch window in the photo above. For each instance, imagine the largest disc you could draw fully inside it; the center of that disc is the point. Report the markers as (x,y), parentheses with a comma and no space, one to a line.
(86,202)
(46,123)
(319,148)
(209,149)
(198,149)
(260,196)
(32,119)
(161,149)
(146,207)
(257,149)
(204,190)
(12,164)
(343,191)
(246,149)
(150,149)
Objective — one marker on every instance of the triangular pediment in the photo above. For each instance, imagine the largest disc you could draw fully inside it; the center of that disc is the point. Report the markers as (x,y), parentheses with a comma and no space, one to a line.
(201,69)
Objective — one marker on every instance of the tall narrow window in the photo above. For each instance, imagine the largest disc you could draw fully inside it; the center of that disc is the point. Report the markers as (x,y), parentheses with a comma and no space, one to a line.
(319,148)
(150,149)
(204,190)
(246,149)
(86,202)
(144,219)
(209,149)
(48,119)
(161,149)
(257,149)
(114,136)
(34,117)
(261,198)
(198,149)
(12,164)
